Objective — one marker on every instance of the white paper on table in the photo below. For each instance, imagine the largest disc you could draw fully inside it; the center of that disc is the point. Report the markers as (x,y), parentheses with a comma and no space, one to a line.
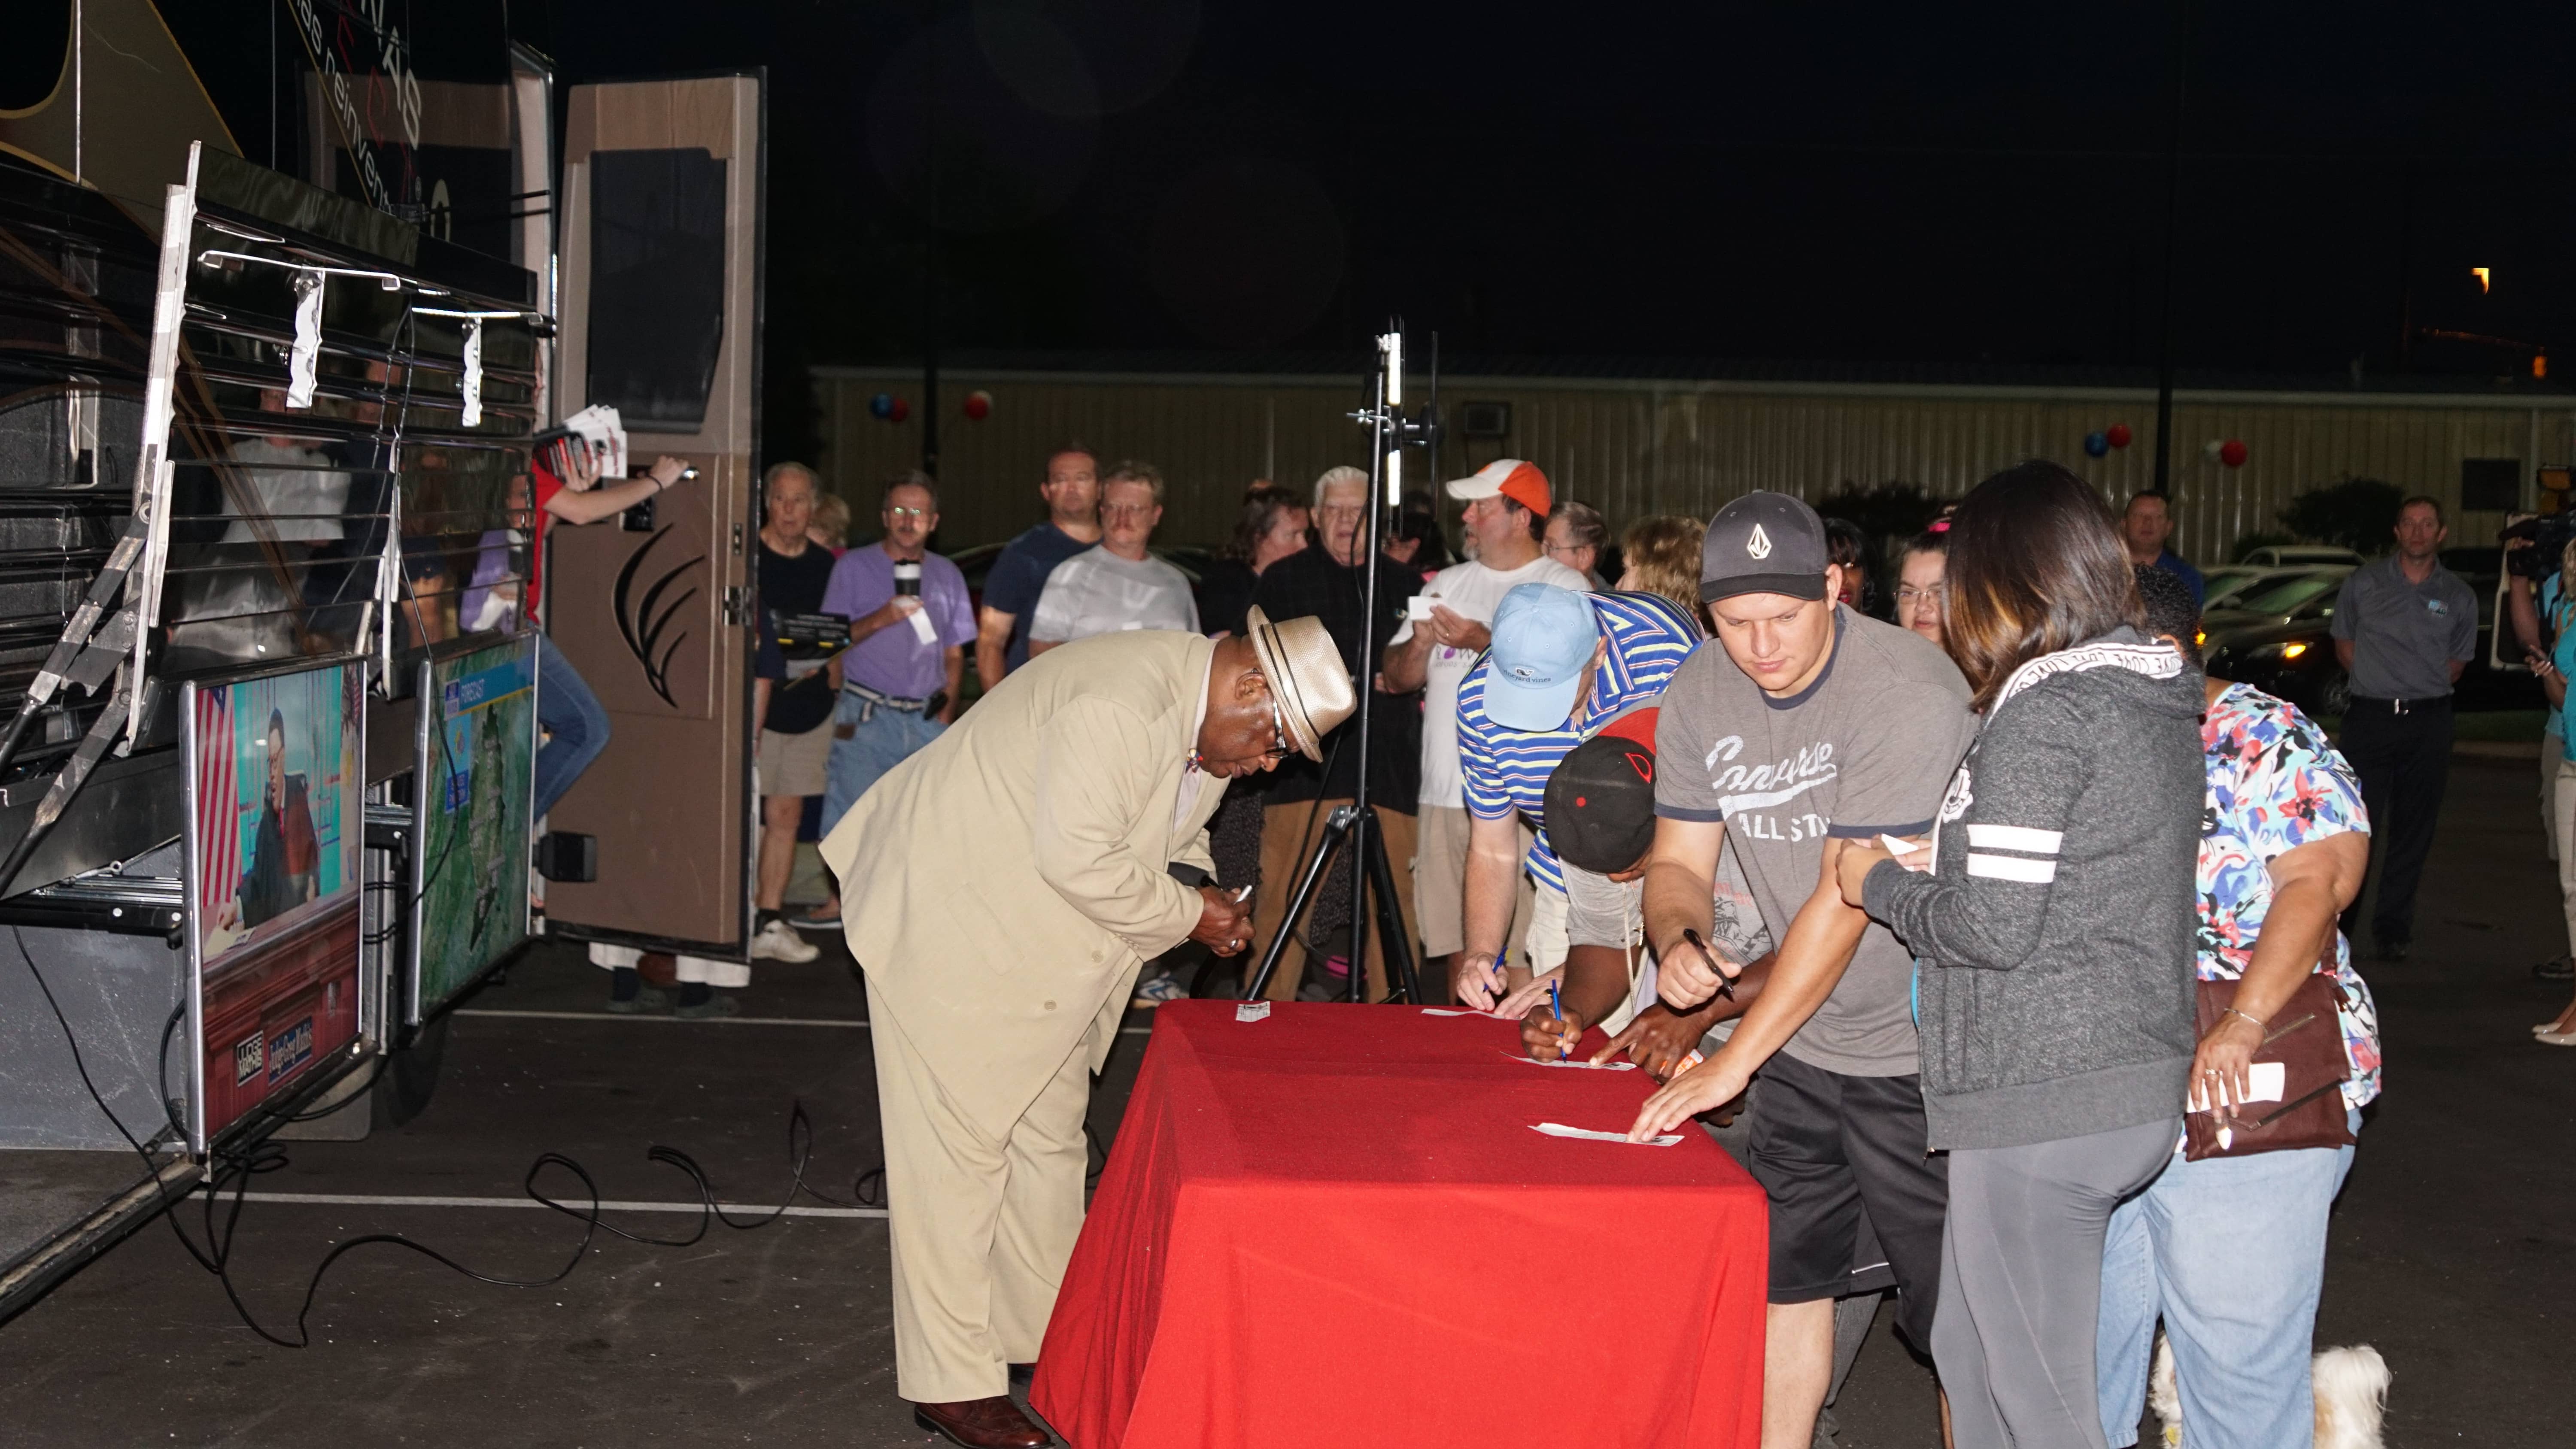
(2270,1079)
(1559,1129)
(1576,1062)
(1453,1011)
(922,627)
(1252,1011)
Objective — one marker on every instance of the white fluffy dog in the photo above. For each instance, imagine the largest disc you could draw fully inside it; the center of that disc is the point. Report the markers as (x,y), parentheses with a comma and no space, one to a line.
(2351,1390)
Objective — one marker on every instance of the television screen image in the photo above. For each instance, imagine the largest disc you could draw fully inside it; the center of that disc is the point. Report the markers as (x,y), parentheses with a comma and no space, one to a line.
(478,750)
(280,804)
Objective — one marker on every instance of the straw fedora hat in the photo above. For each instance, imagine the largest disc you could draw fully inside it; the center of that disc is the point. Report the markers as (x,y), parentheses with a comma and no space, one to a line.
(1307,677)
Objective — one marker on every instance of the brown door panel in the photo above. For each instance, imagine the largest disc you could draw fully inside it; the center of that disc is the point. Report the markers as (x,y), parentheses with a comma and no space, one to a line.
(660,267)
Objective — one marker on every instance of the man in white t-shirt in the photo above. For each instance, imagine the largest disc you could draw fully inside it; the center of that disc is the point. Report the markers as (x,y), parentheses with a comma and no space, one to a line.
(1119,584)
(1506,516)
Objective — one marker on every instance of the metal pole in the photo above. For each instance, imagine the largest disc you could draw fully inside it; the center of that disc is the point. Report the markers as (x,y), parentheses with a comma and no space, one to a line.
(930,264)
(2173,222)
(1364,824)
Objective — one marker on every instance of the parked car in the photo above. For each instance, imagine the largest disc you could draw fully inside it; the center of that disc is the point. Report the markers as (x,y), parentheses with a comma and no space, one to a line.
(2226,588)
(2279,599)
(2294,555)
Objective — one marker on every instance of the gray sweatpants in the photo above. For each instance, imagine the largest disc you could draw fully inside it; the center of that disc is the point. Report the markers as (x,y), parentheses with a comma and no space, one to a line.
(2021,1283)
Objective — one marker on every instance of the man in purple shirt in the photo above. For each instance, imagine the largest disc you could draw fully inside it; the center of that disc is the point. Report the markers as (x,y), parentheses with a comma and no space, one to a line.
(910,622)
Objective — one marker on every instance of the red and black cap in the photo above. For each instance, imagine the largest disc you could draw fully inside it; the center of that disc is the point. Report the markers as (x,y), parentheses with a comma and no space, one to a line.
(1600,801)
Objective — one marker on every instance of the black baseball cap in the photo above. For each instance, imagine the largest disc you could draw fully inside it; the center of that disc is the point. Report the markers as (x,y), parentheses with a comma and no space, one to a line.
(1764,543)
(1600,800)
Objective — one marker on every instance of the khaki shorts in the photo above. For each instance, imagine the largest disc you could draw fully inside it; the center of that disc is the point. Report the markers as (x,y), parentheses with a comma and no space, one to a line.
(793,764)
(1549,941)
(1440,882)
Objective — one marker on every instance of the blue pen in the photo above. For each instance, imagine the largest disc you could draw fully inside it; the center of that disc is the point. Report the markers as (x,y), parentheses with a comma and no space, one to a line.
(1556,1007)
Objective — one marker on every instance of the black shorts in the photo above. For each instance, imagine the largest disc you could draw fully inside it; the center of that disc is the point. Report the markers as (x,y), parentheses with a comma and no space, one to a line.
(1826,1146)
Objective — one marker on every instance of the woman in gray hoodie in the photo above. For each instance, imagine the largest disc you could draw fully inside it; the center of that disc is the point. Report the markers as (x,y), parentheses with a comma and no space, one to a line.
(2052,914)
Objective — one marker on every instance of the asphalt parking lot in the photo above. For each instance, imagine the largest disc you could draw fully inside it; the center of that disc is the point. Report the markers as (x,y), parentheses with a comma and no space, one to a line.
(2452,1230)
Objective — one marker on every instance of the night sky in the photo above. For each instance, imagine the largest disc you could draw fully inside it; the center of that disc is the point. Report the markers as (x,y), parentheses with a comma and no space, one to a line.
(1573,185)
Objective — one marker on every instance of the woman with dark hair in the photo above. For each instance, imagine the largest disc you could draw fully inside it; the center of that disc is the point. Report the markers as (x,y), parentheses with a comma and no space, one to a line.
(2053,920)
(1270,527)
(1850,548)
(1416,540)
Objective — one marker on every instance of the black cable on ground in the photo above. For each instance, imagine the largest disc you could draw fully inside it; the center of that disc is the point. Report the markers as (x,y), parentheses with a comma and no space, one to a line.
(235,1167)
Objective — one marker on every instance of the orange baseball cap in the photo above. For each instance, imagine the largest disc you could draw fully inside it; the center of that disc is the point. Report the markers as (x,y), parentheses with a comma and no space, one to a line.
(1510,478)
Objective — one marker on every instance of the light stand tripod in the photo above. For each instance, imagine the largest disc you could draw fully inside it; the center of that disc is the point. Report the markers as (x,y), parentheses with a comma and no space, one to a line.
(1355,826)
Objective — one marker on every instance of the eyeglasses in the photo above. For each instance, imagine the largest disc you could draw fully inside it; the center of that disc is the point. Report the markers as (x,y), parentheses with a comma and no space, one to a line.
(1909,594)
(900,514)
(1279,745)
(1560,550)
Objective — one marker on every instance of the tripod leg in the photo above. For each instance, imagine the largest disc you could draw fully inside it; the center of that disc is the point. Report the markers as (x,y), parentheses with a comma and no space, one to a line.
(1336,827)
(1400,974)
(1364,836)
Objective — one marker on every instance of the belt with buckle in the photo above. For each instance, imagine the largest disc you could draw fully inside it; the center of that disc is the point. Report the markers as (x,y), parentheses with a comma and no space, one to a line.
(870,701)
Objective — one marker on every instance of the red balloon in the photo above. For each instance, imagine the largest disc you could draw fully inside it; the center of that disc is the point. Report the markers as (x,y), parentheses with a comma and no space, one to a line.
(2232,453)
(901,411)
(2118,434)
(979,404)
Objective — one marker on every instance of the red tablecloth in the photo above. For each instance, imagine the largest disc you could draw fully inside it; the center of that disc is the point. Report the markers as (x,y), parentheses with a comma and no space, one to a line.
(1335,1227)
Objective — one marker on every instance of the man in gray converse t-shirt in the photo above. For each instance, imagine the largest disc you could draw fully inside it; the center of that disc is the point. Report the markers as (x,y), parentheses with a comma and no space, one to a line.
(1809,725)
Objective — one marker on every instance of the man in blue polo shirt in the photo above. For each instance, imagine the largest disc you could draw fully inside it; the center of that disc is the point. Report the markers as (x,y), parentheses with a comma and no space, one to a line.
(1561,665)
(2145,525)
(1019,575)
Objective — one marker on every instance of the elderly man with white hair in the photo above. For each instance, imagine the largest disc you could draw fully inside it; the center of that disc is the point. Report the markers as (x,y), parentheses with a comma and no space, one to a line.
(1327,581)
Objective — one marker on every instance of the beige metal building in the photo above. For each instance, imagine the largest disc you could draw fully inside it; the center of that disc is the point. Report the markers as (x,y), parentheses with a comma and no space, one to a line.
(1679,444)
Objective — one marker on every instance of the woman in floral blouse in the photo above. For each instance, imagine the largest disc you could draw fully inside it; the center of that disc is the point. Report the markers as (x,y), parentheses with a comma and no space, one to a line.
(2230,1251)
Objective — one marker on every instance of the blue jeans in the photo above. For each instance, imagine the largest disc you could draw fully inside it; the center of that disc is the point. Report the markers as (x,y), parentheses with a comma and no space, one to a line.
(885,739)
(2231,1251)
(569,713)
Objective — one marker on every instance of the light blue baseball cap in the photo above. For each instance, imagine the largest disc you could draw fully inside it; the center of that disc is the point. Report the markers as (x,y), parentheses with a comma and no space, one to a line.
(1543,637)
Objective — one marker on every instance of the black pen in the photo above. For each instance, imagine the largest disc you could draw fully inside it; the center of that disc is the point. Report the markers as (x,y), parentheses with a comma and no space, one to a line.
(1725,983)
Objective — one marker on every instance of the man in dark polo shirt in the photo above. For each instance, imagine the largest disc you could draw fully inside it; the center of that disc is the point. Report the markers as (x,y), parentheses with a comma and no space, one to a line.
(1328,582)
(1019,576)
(2404,628)
(794,741)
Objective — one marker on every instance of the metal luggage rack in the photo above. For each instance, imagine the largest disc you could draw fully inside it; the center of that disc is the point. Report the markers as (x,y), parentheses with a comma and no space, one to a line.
(325,417)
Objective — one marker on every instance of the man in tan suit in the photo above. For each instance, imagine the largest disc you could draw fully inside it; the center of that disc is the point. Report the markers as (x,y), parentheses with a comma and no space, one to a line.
(1002,889)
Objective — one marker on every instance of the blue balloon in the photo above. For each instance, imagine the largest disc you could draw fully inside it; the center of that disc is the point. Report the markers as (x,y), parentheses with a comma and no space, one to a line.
(2096,444)
(881,406)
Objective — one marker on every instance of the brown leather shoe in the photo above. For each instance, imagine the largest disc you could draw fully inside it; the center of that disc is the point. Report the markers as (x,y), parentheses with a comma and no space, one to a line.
(994,1423)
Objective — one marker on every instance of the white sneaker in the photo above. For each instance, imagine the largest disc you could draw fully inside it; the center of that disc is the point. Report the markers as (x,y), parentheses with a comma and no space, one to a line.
(778,941)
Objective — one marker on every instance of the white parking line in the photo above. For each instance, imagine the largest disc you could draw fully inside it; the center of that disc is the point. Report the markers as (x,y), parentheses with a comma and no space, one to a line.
(841,1022)
(351,1199)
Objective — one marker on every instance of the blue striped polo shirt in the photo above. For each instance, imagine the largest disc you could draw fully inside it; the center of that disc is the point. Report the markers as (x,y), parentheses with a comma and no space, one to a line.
(1506,770)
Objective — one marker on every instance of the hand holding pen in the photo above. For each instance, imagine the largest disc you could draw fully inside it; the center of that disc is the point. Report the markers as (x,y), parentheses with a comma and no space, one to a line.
(1725,978)
(1546,1034)
(1688,973)
(1225,925)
